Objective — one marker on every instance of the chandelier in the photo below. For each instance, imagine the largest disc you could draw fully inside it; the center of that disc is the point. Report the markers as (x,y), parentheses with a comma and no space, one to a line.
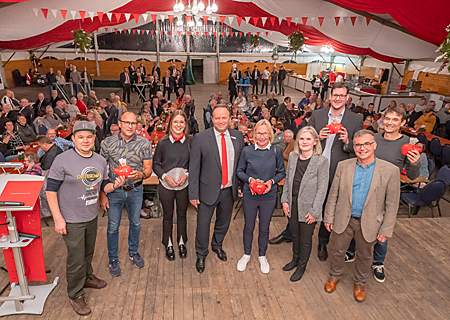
(197,6)
(328,48)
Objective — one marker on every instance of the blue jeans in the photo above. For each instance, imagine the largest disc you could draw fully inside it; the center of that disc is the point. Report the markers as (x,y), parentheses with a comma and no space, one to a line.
(87,87)
(76,89)
(273,84)
(51,87)
(244,91)
(11,157)
(133,202)
(379,250)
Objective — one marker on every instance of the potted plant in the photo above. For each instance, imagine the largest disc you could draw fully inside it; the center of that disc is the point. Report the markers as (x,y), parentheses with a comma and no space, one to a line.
(82,41)
(159,131)
(254,41)
(296,42)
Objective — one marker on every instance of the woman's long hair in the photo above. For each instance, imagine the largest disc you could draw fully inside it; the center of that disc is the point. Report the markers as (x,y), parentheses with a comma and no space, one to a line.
(177,112)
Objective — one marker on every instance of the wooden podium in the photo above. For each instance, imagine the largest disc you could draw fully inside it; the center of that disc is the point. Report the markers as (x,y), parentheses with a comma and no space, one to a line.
(23,253)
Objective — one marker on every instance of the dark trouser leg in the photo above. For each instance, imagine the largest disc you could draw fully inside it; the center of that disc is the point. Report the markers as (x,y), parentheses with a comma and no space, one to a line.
(224,212)
(363,258)
(166,197)
(294,227)
(250,212)
(79,252)
(379,251)
(322,94)
(305,243)
(352,246)
(287,232)
(182,199)
(266,208)
(204,216)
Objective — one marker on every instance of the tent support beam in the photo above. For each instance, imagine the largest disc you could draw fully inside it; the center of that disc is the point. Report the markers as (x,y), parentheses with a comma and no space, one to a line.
(218,51)
(96,53)
(43,52)
(352,62)
(8,59)
(401,76)
(157,43)
(2,71)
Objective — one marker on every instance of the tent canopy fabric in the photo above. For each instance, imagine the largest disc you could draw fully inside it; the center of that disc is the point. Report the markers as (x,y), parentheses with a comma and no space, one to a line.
(425,22)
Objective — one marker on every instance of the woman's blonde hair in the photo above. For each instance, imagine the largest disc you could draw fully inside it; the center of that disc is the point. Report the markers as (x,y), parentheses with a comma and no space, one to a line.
(313,132)
(264,122)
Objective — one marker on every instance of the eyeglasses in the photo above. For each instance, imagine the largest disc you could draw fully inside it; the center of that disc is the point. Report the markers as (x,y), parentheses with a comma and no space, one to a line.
(340,96)
(129,124)
(366,145)
(262,133)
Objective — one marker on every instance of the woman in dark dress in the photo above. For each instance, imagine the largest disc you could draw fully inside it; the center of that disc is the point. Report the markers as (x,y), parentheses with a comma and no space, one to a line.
(171,164)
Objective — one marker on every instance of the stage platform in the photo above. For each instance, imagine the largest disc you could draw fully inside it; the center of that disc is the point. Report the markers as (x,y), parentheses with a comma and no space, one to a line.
(417,285)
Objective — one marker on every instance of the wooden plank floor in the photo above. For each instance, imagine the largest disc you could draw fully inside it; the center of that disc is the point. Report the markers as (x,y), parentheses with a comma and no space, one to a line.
(417,285)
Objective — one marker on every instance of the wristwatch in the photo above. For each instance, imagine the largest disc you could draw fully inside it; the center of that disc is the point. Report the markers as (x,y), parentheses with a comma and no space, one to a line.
(143,175)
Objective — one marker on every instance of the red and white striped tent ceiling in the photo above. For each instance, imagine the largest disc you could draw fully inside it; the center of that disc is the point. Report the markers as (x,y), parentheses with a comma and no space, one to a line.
(413,29)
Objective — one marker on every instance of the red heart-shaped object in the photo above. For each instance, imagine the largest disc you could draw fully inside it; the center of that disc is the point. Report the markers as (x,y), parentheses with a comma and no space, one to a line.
(123,171)
(410,147)
(334,127)
(258,188)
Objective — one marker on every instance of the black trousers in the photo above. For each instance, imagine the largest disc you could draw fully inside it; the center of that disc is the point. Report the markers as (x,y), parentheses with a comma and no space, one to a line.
(233,95)
(254,85)
(322,94)
(265,83)
(316,90)
(301,236)
(169,91)
(224,209)
(281,87)
(126,93)
(167,198)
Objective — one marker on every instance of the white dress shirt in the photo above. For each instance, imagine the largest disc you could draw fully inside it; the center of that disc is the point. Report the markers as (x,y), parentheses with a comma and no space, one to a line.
(230,154)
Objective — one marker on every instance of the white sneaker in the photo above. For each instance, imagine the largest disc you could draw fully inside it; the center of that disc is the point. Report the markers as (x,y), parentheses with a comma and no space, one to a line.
(242,264)
(265,268)
(148,203)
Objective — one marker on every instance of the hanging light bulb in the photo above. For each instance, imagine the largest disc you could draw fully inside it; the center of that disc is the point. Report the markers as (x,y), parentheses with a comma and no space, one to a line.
(331,49)
(180,6)
(194,9)
(214,7)
(199,24)
(209,10)
(179,23)
(176,7)
(201,6)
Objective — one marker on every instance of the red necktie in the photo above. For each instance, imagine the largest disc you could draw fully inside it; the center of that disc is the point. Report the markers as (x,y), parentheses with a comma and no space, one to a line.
(224,161)
(139,79)
(127,81)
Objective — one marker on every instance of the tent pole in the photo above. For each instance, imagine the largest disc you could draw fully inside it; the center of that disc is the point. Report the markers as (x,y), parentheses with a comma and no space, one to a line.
(96,53)
(157,43)
(218,51)
(2,72)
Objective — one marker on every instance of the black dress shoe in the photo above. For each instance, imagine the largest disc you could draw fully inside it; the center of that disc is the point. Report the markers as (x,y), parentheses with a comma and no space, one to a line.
(298,274)
(220,254)
(322,252)
(170,254)
(291,265)
(200,265)
(182,251)
(279,239)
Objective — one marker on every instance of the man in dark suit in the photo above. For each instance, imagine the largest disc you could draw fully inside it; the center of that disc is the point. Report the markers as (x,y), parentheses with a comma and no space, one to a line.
(167,85)
(184,75)
(412,115)
(112,112)
(232,87)
(156,109)
(142,70)
(337,147)
(255,79)
(132,68)
(157,69)
(41,103)
(152,87)
(213,184)
(26,110)
(125,80)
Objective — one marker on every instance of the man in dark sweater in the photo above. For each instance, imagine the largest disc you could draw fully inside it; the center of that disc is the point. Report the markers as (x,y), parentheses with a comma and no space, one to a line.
(389,146)
(51,151)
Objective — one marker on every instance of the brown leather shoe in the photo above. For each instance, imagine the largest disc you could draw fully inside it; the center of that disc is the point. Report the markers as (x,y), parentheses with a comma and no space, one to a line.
(80,306)
(330,286)
(360,294)
(94,282)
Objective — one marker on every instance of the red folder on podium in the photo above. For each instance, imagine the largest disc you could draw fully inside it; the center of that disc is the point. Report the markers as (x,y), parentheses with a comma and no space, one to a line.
(24,188)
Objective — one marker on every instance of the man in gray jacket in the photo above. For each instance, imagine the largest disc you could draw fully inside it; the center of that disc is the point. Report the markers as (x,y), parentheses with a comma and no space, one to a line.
(75,78)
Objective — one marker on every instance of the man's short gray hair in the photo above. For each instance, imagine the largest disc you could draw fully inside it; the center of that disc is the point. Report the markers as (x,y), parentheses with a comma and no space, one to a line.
(289,133)
(364,132)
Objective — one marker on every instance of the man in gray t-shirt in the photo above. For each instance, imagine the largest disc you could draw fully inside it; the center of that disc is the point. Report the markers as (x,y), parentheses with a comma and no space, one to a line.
(75,179)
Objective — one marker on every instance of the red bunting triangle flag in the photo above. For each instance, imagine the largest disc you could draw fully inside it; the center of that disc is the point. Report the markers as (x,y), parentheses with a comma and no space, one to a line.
(134,31)
(179,33)
(154,18)
(368,20)
(188,32)
(100,16)
(289,20)
(170,33)
(117,15)
(170,16)
(161,32)
(223,34)
(205,20)
(214,33)
(115,30)
(125,30)
(240,34)
(222,19)
(272,21)
(206,34)
(249,34)
(63,13)
(336,19)
(232,33)
(188,19)
(267,34)
(106,29)
(45,12)
(255,20)
(320,20)
(258,33)
(239,20)
(136,17)
(152,31)
(353,19)
(304,20)
(82,15)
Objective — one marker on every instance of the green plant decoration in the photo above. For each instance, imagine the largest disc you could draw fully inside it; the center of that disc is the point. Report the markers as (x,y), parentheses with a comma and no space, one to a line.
(82,41)
(444,48)
(254,41)
(296,41)
(34,60)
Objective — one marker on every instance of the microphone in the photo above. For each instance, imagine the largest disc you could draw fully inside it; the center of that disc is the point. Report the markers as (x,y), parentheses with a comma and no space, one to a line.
(11,203)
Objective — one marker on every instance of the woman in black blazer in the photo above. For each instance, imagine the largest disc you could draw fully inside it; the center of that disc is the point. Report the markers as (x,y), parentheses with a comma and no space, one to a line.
(171,165)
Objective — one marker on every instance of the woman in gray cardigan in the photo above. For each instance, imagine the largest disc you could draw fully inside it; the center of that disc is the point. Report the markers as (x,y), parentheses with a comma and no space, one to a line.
(304,192)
